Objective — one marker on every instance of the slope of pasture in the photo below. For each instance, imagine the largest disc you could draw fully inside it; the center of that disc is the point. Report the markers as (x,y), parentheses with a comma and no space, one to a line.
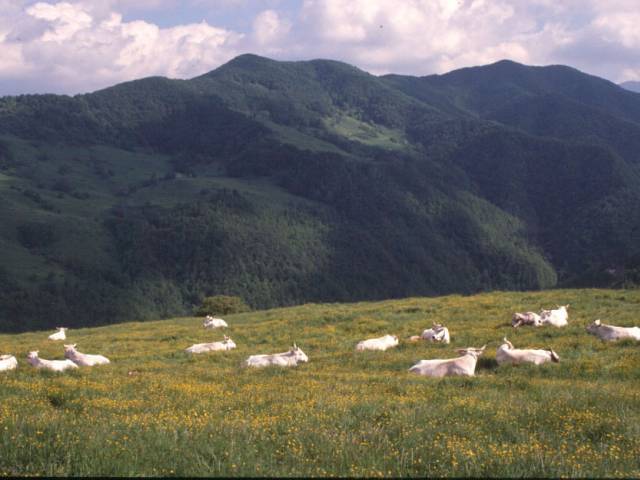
(158,411)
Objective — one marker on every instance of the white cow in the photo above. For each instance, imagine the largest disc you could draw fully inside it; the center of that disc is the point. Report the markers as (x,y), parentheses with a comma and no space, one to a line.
(54,365)
(59,335)
(609,332)
(381,343)
(437,333)
(211,322)
(506,353)
(464,365)
(558,317)
(528,318)
(83,359)
(8,362)
(226,344)
(284,359)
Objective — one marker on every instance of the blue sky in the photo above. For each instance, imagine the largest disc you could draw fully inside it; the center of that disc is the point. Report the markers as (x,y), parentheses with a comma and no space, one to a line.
(76,46)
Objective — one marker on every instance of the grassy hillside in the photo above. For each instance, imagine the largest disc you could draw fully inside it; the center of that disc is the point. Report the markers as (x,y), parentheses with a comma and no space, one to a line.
(158,411)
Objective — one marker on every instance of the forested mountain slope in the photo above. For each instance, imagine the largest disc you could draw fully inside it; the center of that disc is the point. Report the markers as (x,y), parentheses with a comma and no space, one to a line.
(287,182)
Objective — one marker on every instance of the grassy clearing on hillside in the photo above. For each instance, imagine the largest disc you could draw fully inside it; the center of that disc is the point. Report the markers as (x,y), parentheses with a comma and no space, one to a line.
(369,134)
(158,411)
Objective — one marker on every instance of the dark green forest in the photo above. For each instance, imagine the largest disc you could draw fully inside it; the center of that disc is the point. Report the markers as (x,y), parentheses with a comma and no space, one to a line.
(293,182)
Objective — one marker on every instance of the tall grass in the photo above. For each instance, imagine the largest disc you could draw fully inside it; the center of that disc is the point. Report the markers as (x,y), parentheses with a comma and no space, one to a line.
(159,411)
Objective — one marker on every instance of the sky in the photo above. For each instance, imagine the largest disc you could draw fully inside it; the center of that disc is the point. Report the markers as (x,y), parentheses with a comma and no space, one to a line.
(78,46)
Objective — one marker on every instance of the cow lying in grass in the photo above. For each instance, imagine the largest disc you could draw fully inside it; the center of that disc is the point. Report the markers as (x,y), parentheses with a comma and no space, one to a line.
(83,359)
(284,359)
(8,362)
(381,343)
(464,365)
(506,353)
(610,332)
(558,317)
(437,333)
(59,335)
(226,344)
(528,318)
(53,365)
(211,322)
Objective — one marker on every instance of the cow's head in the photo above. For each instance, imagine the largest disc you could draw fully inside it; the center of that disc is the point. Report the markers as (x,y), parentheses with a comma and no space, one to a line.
(70,348)
(474,352)
(554,356)
(595,325)
(228,343)
(32,355)
(298,354)
(439,334)
(507,343)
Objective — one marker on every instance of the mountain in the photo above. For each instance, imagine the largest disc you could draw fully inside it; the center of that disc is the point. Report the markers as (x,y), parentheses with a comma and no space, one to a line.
(290,182)
(633,86)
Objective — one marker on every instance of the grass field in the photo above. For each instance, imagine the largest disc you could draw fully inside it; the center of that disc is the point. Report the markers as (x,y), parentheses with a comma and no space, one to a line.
(158,411)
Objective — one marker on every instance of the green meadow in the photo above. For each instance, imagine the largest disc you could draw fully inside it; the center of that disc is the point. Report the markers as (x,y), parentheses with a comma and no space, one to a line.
(157,411)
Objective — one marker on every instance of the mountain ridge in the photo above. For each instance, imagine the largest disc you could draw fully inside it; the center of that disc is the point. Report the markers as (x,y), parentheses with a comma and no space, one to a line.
(288,182)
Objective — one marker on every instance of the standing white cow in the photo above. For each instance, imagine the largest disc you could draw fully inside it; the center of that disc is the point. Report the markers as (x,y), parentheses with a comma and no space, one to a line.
(558,317)
(226,344)
(381,343)
(212,322)
(284,359)
(528,318)
(59,335)
(464,365)
(8,362)
(83,359)
(610,332)
(506,353)
(53,365)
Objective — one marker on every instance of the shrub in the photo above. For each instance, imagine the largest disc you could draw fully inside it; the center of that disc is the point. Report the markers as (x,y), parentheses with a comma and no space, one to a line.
(221,304)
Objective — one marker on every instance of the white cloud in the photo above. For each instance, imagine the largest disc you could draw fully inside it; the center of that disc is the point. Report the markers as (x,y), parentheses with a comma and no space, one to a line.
(74,48)
(435,36)
(80,45)
(269,28)
(620,27)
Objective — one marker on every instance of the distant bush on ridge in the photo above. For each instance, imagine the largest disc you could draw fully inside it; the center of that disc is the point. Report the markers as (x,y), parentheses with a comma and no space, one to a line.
(222,304)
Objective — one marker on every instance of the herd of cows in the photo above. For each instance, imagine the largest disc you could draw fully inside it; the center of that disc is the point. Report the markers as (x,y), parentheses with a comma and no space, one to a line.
(464,364)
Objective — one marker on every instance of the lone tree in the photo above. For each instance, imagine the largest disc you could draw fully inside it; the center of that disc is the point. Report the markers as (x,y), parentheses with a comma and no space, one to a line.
(222,304)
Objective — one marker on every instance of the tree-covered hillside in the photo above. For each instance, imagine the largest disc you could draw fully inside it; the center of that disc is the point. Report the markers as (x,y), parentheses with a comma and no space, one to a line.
(288,182)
